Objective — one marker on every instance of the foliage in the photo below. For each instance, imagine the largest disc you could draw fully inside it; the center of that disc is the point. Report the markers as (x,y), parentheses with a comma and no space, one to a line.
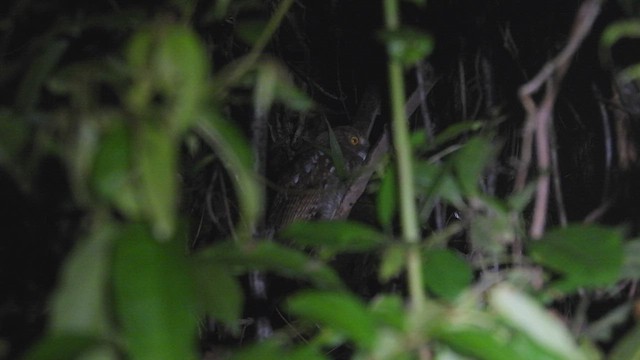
(129,290)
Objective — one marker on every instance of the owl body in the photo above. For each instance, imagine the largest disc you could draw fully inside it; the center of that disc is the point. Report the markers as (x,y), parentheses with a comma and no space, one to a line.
(311,186)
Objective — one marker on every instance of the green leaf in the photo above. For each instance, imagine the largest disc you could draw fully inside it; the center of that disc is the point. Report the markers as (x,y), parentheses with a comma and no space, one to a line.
(470,162)
(157,166)
(445,273)
(270,256)
(62,346)
(339,312)
(408,46)
(436,180)
(392,263)
(272,349)
(28,92)
(529,317)
(154,298)
(181,68)
(603,329)
(491,233)
(631,264)
(84,309)
(111,176)
(265,88)
(586,255)
(334,236)
(629,347)
(619,30)
(456,130)
(477,342)
(232,147)
(249,31)
(389,310)
(386,200)
(218,291)
(14,134)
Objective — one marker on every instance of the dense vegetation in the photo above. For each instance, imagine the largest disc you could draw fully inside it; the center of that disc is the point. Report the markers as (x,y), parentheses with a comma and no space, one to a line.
(138,144)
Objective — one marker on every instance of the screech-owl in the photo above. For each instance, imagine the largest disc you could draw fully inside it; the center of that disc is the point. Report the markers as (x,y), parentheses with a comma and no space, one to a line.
(311,187)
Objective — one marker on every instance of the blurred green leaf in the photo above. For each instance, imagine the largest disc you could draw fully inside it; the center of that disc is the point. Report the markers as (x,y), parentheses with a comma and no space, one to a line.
(218,291)
(619,30)
(14,134)
(586,256)
(249,31)
(392,263)
(492,232)
(339,312)
(436,180)
(334,236)
(271,349)
(524,314)
(389,310)
(111,176)
(628,348)
(386,198)
(154,296)
(445,273)
(456,130)
(290,95)
(181,68)
(270,256)
(604,328)
(233,148)
(407,45)
(631,264)
(265,88)
(470,162)
(157,166)
(477,342)
(85,309)
(28,91)
(62,346)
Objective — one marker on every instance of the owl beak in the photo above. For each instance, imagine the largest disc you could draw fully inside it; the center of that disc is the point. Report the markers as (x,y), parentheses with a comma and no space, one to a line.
(363,155)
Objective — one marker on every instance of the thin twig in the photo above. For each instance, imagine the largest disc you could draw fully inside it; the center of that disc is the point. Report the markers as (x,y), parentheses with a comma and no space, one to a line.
(539,116)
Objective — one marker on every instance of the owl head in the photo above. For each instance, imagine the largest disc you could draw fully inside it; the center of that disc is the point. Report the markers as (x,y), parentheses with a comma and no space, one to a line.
(354,146)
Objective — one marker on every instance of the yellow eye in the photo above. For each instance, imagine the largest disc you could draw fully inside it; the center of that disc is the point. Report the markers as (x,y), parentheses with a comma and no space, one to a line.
(354,140)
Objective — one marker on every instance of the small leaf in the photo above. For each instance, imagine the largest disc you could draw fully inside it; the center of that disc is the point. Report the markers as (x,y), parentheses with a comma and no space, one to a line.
(62,346)
(270,256)
(408,46)
(154,298)
(629,347)
(84,309)
(218,291)
(587,255)
(631,264)
(491,233)
(337,311)
(111,175)
(157,166)
(479,343)
(524,314)
(265,88)
(386,200)
(334,236)
(392,263)
(445,273)
(389,310)
(249,31)
(619,30)
(470,162)
(456,130)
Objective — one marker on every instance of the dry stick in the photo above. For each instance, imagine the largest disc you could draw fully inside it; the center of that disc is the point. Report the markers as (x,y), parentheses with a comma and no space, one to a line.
(539,117)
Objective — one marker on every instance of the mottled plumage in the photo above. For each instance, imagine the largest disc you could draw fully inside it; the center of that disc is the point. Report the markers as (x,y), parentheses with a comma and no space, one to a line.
(310,187)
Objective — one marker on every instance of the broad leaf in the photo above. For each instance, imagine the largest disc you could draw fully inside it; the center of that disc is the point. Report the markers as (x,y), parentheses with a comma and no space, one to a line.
(586,256)
(334,236)
(445,273)
(154,298)
(218,291)
(339,312)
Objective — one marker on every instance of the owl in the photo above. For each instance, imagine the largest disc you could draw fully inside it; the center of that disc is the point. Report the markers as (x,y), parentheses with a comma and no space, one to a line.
(313,184)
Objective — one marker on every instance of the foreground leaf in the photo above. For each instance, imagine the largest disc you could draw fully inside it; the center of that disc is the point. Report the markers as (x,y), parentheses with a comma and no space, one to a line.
(587,256)
(153,297)
(445,273)
(339,312)
(334,236)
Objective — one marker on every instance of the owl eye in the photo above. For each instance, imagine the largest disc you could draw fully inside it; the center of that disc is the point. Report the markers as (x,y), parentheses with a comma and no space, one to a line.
(354,140)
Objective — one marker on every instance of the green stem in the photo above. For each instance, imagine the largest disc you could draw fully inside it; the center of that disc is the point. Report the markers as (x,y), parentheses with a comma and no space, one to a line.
(238,69)
(408,213)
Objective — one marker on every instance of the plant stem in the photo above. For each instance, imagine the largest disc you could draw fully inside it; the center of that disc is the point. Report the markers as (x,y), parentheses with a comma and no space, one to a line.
(236,70)
(408,213)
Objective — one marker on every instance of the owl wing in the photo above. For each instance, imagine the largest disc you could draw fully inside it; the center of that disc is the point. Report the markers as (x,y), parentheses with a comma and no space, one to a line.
(308,189)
